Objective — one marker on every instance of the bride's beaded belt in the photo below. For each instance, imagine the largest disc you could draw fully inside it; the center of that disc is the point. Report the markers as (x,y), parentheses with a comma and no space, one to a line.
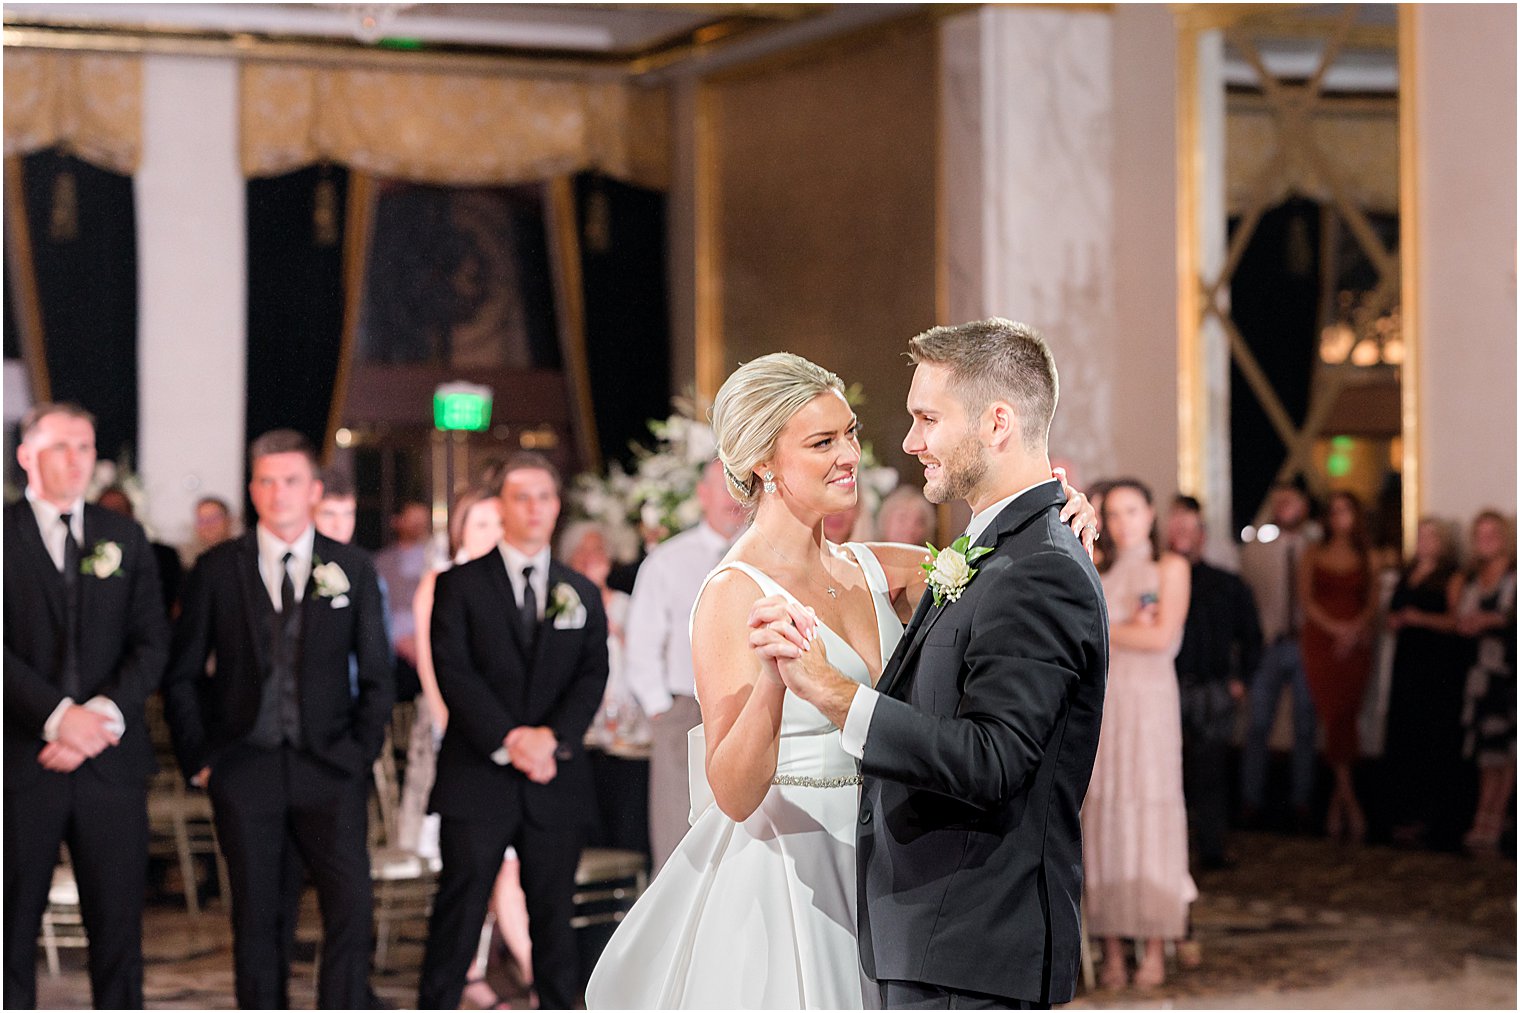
(793,781)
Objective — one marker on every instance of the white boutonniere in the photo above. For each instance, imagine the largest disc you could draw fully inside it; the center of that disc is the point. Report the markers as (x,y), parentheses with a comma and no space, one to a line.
(566,608)
(950,568)
(104,562)
(331,582)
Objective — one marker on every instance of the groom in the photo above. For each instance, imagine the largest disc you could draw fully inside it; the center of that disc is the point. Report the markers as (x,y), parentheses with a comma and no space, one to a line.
(977,745)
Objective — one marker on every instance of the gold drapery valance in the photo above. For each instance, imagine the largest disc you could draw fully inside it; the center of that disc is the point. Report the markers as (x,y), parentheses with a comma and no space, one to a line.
(453,129)
(88,105)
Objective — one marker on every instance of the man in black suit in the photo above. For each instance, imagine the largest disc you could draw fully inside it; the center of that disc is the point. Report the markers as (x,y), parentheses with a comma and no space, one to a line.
(276,734)
(978,744)
(85,644)
(1221,644)
(520,647)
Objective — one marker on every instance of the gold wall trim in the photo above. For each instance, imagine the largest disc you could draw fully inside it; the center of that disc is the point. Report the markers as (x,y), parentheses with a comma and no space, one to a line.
(1409,275)
(565,247)
(709,360)
(18,236)
(358,217)
(1192,426)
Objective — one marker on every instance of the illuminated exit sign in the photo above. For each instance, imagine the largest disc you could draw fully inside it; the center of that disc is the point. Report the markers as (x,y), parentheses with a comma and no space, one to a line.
(462,406)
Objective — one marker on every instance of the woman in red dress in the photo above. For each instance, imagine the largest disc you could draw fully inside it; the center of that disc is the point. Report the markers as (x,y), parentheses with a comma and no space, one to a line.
(1335,584)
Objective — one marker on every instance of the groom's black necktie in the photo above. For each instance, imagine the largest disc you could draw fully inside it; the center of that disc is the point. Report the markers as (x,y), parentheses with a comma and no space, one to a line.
(69,677)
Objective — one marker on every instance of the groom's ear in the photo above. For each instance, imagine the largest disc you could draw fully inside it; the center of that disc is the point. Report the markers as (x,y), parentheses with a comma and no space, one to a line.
(1000,426)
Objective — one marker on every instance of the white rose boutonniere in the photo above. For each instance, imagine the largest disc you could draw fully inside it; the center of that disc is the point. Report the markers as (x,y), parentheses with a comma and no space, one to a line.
(565,607)
(950,569)
(104,562)
(331,582)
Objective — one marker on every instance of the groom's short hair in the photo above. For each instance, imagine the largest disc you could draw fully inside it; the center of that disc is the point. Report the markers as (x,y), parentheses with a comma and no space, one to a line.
(997,359)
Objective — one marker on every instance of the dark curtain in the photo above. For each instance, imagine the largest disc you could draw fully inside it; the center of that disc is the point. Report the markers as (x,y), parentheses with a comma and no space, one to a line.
(12,326)
(83,226)
(295,299)
(1274,298)
(622,242)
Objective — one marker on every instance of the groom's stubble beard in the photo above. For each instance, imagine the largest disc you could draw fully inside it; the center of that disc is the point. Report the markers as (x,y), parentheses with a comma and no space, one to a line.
(961,472)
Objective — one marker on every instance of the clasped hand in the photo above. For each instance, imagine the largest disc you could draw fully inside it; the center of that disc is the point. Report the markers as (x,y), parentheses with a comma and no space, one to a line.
(531,750)
(82,735)
(784,634)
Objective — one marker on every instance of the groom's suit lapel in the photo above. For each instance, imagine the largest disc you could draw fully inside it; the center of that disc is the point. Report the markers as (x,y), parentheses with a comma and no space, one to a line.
(899,673)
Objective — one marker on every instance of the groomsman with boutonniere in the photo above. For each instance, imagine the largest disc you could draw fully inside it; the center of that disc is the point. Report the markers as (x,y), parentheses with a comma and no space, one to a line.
(85,644)
(277,736)
(520,647)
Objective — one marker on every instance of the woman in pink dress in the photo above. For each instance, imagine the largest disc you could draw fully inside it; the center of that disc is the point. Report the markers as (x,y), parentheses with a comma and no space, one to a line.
(1134,822)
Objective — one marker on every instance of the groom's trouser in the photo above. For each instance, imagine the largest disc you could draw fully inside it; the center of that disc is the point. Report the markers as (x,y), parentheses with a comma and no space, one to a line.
(917,995)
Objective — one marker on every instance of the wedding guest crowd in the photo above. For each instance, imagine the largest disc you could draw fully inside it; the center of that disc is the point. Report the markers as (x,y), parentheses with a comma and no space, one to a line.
(279,682)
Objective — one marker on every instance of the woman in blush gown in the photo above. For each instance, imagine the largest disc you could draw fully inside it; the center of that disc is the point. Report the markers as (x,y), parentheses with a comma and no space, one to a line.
(757,906)
(1134,822)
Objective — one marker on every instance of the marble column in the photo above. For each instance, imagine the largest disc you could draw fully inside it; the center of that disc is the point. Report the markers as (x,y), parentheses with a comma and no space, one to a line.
(192,278)
(1460,93)
(1059,210)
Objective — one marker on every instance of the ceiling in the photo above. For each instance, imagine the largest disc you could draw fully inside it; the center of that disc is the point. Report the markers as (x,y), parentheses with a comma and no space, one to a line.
(636,37)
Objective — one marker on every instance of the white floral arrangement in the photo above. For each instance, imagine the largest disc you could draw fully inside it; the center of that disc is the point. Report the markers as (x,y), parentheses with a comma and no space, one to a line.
(660,492)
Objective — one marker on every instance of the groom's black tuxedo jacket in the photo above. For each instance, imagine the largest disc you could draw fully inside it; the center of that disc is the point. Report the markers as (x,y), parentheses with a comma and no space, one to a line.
(227,612)
(976,765)
(493,681)
(123,641)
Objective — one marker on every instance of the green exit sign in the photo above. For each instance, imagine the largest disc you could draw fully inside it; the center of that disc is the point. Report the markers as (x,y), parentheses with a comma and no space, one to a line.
(462,407)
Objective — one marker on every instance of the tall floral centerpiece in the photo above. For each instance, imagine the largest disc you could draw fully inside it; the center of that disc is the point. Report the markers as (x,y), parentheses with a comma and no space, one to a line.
(657,498)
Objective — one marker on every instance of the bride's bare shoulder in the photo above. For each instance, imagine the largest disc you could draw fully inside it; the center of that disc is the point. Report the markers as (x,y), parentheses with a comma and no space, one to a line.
(731,592)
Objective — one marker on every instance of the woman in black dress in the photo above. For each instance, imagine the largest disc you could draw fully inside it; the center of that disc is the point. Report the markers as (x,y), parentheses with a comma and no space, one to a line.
(1486,616)
(1423,748)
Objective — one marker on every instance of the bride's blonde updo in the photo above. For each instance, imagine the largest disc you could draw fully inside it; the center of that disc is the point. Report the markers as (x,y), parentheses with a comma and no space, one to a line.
(752,407)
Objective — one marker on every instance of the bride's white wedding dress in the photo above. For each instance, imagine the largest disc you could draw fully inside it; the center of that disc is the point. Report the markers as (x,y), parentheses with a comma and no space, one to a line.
(760,914)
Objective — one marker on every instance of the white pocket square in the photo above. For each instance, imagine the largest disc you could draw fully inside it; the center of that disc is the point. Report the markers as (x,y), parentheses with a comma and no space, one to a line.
(340,602)
(571,620)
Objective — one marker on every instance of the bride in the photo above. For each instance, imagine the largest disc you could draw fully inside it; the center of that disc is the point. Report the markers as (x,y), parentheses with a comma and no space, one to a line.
(756,907)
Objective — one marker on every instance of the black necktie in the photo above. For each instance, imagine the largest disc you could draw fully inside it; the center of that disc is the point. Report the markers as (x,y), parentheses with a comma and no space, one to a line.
(71,563)
(287,587)
(529,607)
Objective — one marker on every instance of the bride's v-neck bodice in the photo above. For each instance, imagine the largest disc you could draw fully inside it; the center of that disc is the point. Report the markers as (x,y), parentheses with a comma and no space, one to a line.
(809,742)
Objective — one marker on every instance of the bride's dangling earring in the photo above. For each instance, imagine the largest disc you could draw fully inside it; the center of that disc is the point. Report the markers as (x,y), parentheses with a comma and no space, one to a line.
(770,483)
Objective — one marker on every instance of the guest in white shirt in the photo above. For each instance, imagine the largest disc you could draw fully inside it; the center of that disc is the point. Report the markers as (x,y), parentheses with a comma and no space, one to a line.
(658,653)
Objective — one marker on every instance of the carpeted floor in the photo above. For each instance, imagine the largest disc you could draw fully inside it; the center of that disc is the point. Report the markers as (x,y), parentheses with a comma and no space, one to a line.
(1297,923)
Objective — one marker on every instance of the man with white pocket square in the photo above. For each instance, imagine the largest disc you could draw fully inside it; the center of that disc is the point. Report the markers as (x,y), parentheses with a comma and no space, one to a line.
(519,643)
(277,735)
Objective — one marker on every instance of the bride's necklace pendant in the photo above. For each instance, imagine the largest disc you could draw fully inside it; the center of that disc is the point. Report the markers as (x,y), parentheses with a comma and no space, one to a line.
(832,593)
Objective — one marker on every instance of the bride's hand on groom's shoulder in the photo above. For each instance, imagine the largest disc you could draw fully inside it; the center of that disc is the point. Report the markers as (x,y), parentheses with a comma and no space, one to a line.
(1078,512)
